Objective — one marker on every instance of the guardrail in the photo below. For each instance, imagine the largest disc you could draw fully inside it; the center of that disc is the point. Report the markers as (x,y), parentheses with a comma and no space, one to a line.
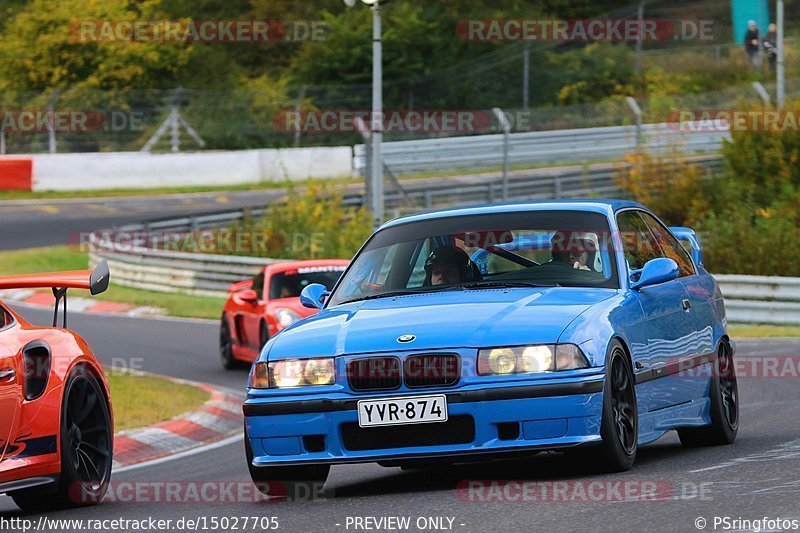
(538,147)
(591,181)
(761,299)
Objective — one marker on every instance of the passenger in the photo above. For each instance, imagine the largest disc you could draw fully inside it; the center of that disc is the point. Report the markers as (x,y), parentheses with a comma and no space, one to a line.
(573,249)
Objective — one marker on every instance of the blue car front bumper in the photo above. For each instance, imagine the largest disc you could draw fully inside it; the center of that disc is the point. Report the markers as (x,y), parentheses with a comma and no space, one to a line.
(490,418)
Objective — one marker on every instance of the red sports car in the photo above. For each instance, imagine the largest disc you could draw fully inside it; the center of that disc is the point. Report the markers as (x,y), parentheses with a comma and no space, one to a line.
(259,308)
(56,424)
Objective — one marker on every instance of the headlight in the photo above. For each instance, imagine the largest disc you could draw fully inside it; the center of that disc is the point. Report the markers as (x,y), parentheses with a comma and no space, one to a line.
(570,357)
(293,373)
(286,317)
(530,359)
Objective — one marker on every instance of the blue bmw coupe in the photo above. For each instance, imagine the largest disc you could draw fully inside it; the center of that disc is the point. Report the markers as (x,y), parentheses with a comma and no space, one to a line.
(473,333)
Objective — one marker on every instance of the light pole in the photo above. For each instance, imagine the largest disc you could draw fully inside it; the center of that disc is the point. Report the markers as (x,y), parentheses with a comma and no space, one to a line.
(377,109)
(781,81)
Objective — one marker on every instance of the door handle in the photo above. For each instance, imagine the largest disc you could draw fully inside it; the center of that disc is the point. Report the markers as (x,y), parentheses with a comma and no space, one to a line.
(7,374)
(686,305)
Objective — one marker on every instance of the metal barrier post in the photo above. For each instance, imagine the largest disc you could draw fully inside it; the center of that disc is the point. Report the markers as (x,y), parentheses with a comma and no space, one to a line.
(762,93)
(501,116)
(637,111)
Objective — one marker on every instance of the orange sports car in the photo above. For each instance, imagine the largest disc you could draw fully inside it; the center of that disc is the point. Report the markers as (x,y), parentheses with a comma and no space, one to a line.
(56,425)
(260,307)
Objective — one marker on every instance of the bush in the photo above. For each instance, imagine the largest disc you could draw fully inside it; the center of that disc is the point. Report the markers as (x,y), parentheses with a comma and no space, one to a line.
(748,215)
(672,188)
(744,239)
(311,224)
(754,226)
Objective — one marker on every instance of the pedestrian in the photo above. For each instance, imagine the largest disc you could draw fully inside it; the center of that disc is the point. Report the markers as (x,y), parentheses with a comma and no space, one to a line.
(752,44)
(771,47)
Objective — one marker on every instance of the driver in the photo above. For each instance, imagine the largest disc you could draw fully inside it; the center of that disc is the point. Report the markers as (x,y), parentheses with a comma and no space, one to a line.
(447,265)
(572,249)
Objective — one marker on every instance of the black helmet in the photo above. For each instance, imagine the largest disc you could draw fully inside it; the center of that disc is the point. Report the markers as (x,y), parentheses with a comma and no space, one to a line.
(449,255)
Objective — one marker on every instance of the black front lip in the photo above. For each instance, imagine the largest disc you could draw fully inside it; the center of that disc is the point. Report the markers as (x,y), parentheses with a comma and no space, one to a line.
(485,395)
(459,456)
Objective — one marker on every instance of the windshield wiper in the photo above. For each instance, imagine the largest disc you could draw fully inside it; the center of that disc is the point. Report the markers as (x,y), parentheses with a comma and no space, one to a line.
(444,288)
(393,294)
(510,284)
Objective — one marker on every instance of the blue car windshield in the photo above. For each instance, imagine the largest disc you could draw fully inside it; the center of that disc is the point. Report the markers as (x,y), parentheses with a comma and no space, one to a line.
(567,248)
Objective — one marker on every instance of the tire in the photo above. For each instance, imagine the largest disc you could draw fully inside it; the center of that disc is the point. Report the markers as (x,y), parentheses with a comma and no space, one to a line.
(87,447)
(263,336)
(724,395)
(619,428)
(286,482)
(226,345)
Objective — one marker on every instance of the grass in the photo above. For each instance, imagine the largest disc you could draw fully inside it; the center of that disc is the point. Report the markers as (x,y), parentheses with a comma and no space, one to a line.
(763,331)
(141,401)
(53,258)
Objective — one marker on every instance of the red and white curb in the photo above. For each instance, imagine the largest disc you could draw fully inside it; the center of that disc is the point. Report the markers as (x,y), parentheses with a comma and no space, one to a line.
(217,419)
(77,304)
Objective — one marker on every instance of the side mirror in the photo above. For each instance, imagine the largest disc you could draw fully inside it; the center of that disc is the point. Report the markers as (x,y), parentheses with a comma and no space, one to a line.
(689,236)
(98,281)
(249,296)
(655,271)
(314,295)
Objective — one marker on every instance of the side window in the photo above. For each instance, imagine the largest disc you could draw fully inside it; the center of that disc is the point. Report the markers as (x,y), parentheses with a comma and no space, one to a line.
(258,284)
(638,242)
(4,319)
(671,247)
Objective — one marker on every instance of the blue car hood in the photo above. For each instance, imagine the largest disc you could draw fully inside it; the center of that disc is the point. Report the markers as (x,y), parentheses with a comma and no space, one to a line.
(453,319)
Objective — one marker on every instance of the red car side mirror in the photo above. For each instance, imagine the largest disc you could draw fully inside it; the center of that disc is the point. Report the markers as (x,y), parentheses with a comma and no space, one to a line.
(250,296)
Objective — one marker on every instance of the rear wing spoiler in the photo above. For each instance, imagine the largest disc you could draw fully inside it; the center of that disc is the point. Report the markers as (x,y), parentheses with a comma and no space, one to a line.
(95,281)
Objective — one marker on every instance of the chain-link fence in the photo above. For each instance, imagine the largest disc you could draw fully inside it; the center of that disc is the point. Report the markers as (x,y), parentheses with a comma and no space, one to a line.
(543,85)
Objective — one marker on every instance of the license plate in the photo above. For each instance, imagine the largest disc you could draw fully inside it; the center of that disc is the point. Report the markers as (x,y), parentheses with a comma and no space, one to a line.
(409,410)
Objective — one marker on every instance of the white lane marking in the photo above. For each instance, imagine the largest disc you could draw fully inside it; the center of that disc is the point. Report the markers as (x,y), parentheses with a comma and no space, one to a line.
(786,451)
(785,487)
(234,408)
(158,438)
(214,423)
(188,453)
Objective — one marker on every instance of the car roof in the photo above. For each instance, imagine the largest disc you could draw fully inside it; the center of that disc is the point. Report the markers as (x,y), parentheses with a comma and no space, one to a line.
(592,205)
(289,265)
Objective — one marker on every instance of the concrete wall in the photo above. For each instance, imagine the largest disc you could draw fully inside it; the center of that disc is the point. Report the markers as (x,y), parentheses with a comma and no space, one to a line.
(133,170)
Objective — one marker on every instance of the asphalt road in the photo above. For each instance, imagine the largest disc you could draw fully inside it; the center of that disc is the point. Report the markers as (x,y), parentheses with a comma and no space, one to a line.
(757,477)
(32,223)
(29,224)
